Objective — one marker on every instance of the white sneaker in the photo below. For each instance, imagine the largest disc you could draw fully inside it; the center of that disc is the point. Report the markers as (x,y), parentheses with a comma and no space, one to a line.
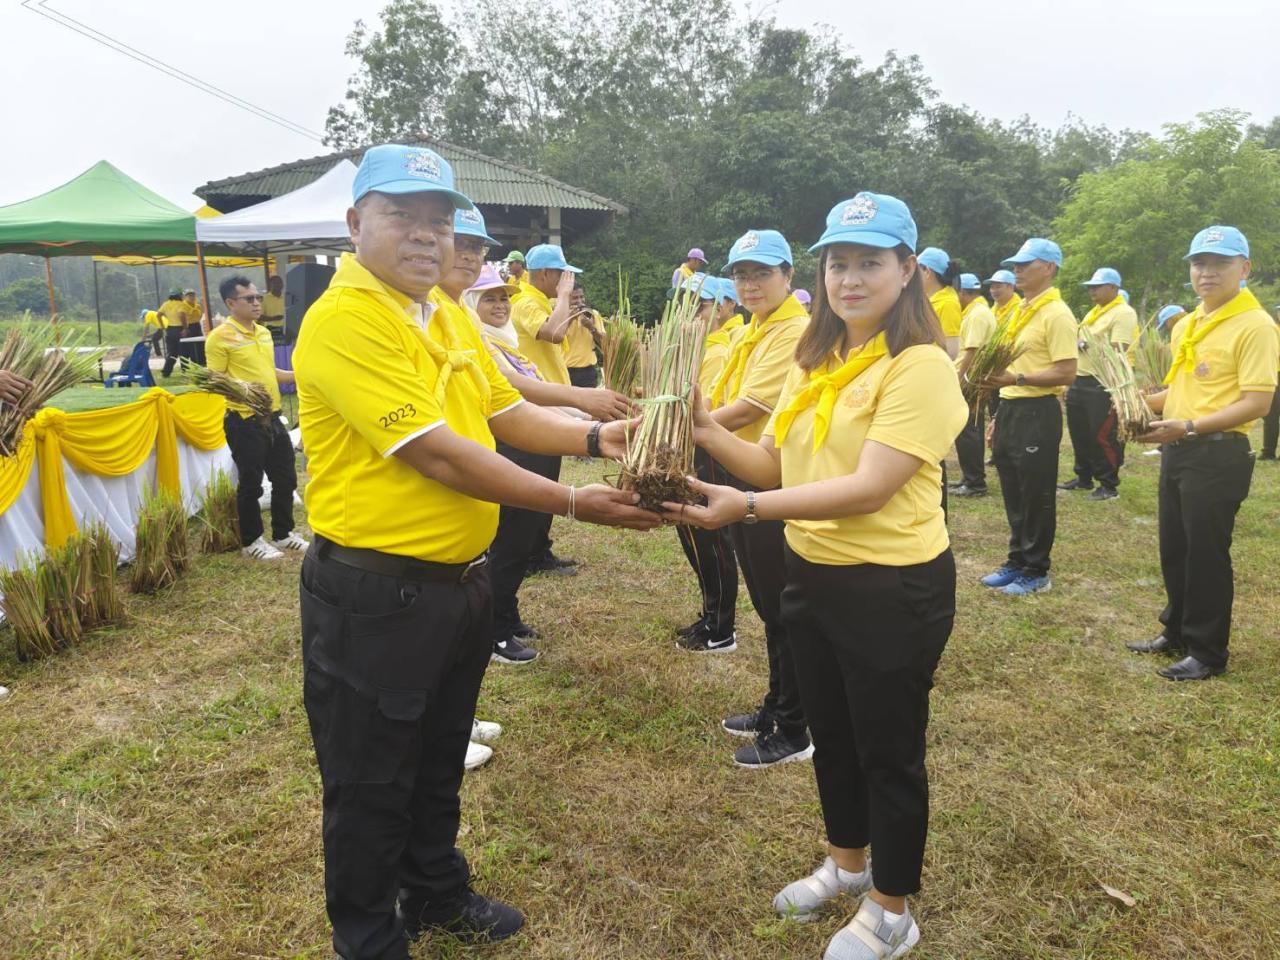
(4,692)
(292,542)
(802,899)
(261,550)
(485,730)
(871,935)
(477,755)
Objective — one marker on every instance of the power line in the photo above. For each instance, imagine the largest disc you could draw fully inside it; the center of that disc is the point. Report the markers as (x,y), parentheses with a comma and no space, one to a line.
(42,8)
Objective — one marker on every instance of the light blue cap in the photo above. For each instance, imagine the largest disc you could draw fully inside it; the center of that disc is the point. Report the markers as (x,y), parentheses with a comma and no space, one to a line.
(760,246)
(699,283)
(1103,276)
(1002,276)
(970,281)
(935,258)
(1167,313)
(547,256)
(1037,248)
(871,219)
(1125,294)
(725,290)
(1225,241)
(394,168)
(470,223)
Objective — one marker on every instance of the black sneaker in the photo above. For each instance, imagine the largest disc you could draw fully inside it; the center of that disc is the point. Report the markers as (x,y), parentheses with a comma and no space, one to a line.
(706,641)
(1104,493)
(552,567)
(470,917)
(964,490)
(512,651)
(773,748)
(748,725)
(1075,484)
(526,633)
(692,628)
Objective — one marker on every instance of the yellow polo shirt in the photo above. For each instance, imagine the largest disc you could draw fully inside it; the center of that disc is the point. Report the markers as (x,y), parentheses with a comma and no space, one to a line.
(244,353)
(525,287)
(173,313)
(367,368)
(977,324)
(1002,312)
(151,319)
(911,402)
(579,346)
(272,307)
(1118,325)
(1239,356)
(946,304)
(716,352)
(1049,336)
(768,361)
(528,313)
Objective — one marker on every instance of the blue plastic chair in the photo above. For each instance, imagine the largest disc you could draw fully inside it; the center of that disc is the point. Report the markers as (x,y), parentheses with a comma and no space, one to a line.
(136,369)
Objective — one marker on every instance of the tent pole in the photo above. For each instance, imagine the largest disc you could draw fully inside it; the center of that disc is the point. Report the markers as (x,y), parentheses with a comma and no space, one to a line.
(204,287)
(266,267)
(155,274)
(97,302)
(53,306)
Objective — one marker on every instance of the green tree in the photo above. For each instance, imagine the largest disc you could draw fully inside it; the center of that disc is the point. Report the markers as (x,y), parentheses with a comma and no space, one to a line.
(30,293)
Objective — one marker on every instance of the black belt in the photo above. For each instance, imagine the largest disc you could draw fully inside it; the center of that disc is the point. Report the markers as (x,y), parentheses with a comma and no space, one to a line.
(1209,438)
(394,565)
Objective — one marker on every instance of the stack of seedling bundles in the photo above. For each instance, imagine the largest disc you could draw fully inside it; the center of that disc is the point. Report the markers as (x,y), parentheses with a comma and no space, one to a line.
(623,339)
(219,518)
(1114,373)
(990,358)
(29,350)
(162,553)
(252,395)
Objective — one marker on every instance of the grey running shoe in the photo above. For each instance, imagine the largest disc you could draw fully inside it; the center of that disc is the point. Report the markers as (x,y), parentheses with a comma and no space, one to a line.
(869,936)
(802,899)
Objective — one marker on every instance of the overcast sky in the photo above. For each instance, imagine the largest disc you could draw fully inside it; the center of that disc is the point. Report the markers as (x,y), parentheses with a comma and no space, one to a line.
(68,102)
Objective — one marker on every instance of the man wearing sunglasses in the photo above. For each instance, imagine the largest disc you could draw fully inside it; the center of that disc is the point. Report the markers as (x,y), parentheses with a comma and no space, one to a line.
(242,348)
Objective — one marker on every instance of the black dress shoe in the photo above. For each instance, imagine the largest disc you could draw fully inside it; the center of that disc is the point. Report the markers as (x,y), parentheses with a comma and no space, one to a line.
(470,917)
(1190,668)
(1076,484)
(1160,644)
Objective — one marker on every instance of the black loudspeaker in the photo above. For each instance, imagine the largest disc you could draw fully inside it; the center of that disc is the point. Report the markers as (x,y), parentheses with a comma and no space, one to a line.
(303,284)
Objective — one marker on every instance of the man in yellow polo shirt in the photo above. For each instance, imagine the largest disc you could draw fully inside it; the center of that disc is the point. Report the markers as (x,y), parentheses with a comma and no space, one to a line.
(399,417)
(173,317)
(242,348)
(1091,416)
(1028,429)
(273,307)
(542,326)
(977,324)
(1223,378)
(580,340)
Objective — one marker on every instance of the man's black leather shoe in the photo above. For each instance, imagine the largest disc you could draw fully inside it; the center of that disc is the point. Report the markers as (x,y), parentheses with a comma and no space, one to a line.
(1075,484)
(1190,669)
(1160,644)
(470,917)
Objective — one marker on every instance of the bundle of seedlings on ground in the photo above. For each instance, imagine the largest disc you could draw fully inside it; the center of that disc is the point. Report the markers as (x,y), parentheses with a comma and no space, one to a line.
(161,553)
(59,574)
(1112,369)
(659,454)
(252,395)
(24,609)
(98,591)
(31,350)
(621,349)
(1152,356)
(219,519)
(991,358)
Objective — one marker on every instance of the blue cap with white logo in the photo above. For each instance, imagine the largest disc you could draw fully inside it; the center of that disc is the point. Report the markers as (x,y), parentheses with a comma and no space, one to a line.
(699,283)
(1224,241)
(1103,276)
(970,281)
(935,258)
(1002,276)
(547,256)
(1037,248)
(470,223)
(1168,313)
(760,246)
(871,219)
(394,168)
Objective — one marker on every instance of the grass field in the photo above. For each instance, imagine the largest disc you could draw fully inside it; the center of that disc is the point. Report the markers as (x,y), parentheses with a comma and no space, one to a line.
(159,798)
(114,333)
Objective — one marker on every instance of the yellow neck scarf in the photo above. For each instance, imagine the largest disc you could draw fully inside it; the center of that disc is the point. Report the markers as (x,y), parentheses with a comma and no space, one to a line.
(1093,315)
(823,388)
(1026,310)
(449,357)
(1198,327)
(1009,306)
(729,382)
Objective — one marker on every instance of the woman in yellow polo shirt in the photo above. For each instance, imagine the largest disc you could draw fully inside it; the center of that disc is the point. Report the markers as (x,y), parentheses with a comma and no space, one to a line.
(941,275)
(871,405)
(742,400)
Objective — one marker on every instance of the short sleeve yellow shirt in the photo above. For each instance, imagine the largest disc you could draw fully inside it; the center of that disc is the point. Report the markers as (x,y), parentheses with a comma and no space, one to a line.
(579,346)
(715,353)
(946,304)
(272,308)
(911,402)
(977,324)
(1003,312)
(367,382)
(173,313)
(244,353)
(770,362)
(1119,325)
(152,319)
(528,314)
(1049,336)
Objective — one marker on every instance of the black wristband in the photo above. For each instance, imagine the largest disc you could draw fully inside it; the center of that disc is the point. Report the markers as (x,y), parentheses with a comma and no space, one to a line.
(593,439)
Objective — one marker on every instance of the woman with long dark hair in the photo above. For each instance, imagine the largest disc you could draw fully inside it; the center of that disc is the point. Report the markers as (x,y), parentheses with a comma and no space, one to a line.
(868,410)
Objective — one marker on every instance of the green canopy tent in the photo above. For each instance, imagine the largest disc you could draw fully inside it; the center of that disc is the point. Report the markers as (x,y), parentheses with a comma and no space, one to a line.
(101,212)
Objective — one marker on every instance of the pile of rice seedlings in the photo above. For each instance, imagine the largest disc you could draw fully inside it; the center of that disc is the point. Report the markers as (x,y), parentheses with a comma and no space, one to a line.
(1114,373)
(24,609)
(162,553)
(252,395)
(1152,356)
(219,518)
(98,591)
(31,350)
(59,575)
(992,357)
(621,349)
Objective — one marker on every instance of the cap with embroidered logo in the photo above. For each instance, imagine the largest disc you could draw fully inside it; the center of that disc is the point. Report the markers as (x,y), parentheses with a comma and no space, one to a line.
(470,223)
(1001,276)
(547,256)
(871,219)
(768,247)
(1037,248)
(396,169)
(970,281)
(701,284)
(1224,241)
(935,258)
(1102,277)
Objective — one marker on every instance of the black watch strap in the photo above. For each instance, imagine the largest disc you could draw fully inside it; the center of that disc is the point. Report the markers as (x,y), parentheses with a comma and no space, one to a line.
(593,439)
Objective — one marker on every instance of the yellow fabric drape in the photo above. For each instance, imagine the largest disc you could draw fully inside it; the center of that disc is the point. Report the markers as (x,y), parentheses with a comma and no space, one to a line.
(15,470)
(115,442)
(823,388)
(1198,327)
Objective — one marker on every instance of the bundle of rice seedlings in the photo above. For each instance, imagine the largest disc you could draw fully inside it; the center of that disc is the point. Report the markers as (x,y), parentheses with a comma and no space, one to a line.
(102,557)
(1114,373)
(24,608)
(219,518)
(659,454)
(991,357)
(79,550)
(30,350)
(252,395)
(161,553)
(1151,356)
(59,575)
(621,349)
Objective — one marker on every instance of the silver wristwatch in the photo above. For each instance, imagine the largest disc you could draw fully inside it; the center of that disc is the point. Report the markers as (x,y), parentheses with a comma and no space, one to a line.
(751,508)
(1020,379)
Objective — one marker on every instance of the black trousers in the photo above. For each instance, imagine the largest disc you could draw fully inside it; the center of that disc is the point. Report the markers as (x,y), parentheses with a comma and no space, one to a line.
(584,376)
(1202,484)
(760,551)
(540,549)
(971,449)
(391,672)
(1025,449)
(155,340)
(710,554)
(867,639)
(172,349)
(1093,425)
(1271,427)
(519,531)
(262,448)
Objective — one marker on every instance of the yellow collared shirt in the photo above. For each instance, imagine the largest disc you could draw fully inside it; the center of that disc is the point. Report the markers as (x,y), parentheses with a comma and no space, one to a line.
(244,353)
(173,313)
(769,363)
(579,346)
(1010,305)
(911,402)
(716,352)
(1119,325)
(1048,337)
(272,309)
(366,386)
(946,304)
(529,313)
(977,324)
(152,319)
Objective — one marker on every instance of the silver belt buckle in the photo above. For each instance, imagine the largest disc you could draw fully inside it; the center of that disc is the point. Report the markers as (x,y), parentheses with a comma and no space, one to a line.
(473,566)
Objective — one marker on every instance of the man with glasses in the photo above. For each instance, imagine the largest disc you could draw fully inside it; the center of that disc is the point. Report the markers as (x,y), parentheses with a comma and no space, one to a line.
(243,348)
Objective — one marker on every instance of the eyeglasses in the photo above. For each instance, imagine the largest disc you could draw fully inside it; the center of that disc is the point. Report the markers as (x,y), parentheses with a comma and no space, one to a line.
(470,245)
(252,298)
(752,277)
